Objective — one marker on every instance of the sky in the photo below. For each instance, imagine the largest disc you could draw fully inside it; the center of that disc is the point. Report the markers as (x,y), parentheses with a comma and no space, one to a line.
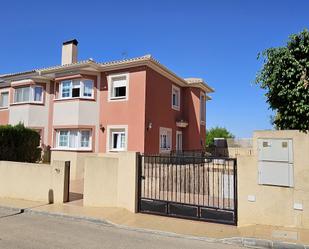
(215,40)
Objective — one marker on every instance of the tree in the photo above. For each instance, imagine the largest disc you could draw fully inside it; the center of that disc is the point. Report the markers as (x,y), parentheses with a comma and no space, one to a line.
(285,77)
(217,132)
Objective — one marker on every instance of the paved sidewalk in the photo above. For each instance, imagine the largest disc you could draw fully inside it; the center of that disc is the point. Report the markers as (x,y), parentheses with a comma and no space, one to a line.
(122,217)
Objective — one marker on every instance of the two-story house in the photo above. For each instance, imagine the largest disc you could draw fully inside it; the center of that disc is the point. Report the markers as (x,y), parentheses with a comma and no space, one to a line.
(85,106)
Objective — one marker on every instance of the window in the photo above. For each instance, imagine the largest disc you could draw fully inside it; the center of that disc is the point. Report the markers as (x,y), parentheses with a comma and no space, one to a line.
(203,108)
(88,88)
(66,89)
(85,139)
(178,141)
(76,89)
(165,139)
(118,87)
(117,138)
(175,98)
(28,94)
(38,94)
(74,139)
(63,139)
(22,94)
(4,99)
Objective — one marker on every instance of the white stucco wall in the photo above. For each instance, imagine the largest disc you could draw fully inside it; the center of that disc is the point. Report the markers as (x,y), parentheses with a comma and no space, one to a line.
(66,113)
(32,115)
(79,113)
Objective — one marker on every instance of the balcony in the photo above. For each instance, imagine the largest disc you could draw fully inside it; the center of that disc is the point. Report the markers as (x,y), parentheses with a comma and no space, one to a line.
(182,123)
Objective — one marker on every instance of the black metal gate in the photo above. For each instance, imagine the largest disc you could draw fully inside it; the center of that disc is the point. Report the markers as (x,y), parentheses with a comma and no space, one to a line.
(193,187)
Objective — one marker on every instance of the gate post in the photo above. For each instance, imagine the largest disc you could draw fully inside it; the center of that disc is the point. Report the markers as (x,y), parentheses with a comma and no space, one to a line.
(66,192)
(235,192)
(139,180)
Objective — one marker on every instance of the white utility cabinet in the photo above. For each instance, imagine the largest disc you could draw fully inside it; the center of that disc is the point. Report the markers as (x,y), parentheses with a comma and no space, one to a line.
(275,162)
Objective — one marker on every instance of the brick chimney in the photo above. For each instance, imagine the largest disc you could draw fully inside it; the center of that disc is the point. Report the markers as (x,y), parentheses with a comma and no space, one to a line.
(69,52)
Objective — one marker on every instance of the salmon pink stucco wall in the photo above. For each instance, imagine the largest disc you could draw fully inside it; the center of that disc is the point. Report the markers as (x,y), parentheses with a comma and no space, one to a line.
(4,117)
(160,113)
(129,112)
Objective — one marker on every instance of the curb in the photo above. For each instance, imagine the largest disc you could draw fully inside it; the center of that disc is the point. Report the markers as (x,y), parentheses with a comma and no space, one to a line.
(262,243)
(240,241)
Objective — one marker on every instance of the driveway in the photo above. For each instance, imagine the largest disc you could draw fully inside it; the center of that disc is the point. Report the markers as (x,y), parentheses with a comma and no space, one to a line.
(42,231)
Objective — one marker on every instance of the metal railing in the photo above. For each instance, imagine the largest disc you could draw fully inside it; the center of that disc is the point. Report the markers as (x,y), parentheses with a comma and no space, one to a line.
(193,184)
(189,153)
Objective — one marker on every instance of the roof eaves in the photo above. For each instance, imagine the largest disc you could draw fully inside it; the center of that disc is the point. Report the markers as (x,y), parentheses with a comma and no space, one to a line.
(67,66)
(199,82)
(174,76)
(17,74)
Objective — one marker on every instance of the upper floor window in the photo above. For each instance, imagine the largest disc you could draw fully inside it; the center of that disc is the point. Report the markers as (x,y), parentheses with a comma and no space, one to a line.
(28,94)
(37,93)
(74,139)
(203,108)
(118,86)
(4,99)
(76,89)
(175,97)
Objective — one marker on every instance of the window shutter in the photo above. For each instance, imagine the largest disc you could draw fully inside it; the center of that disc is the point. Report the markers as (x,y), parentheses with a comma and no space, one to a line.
(119,83)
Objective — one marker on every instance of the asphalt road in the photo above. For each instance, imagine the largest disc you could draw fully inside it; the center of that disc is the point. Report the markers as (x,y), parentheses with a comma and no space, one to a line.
(32,231)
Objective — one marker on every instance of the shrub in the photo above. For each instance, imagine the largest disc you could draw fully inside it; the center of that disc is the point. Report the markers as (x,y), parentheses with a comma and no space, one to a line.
(217,132)
(20,144)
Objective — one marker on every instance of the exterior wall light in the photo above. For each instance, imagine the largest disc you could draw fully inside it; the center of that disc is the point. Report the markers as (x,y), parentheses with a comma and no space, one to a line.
(149,126)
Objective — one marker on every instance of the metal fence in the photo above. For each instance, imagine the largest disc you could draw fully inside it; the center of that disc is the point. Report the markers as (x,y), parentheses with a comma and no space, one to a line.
(193,187)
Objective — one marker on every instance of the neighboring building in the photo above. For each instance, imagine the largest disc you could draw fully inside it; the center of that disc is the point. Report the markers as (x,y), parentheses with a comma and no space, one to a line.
(84,106)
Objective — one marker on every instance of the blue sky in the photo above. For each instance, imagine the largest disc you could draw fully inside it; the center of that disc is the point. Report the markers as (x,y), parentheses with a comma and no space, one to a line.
(216,40)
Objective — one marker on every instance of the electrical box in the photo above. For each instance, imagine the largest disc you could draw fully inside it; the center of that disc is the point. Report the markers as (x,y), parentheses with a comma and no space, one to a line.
(275,162)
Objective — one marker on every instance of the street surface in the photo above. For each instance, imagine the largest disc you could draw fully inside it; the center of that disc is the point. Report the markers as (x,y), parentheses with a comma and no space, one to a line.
(36,231)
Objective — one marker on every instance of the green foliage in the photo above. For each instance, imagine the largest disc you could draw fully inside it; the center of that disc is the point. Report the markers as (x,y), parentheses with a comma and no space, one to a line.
(217,132)
(20,144)
(285,77)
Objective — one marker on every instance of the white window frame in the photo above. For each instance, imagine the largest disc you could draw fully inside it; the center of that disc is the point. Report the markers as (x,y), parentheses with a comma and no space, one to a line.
(176,89)
(92,89)
(110,87)
(77,141)
(81,87)
(109,139)
(162,132)
(32,92)
(61,89)
(202,110)
(8,93)
(177,141)
(31,95)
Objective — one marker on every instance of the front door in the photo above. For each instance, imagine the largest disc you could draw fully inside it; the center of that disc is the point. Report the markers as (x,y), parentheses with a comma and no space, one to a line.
(178,140)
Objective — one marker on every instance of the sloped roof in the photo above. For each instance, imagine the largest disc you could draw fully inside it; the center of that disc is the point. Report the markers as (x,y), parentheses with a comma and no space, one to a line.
(101,66)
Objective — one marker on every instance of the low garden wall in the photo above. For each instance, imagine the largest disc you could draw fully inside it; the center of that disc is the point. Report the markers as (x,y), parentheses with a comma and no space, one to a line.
(76,159)
(111,180)
(274,205)
(34,182)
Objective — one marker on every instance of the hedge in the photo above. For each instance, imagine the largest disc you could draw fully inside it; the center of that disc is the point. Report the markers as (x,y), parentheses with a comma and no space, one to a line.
(20,144)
